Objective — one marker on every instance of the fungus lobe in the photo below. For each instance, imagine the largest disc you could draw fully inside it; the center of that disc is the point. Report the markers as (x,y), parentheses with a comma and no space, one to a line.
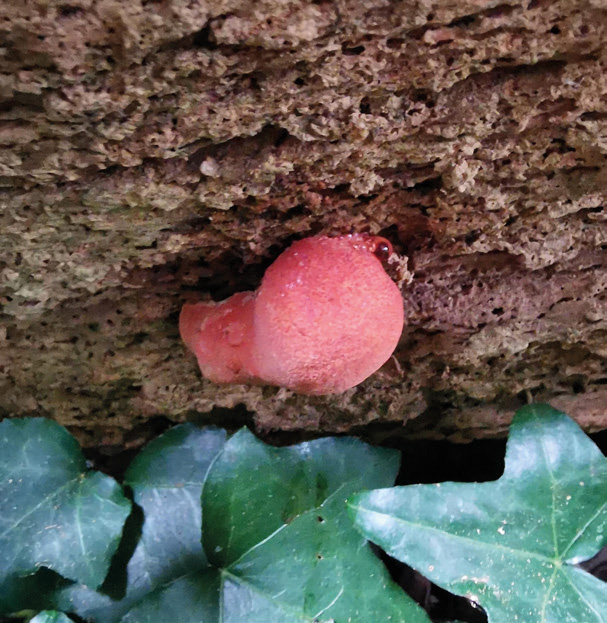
(325,317)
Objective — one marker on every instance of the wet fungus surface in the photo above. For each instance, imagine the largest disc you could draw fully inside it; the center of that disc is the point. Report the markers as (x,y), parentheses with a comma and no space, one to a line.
(325,317)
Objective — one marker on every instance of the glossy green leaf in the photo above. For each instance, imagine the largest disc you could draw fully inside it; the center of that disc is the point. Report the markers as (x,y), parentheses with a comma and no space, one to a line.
(166,478)
(511,545)
(191,599)
(281,546)
(53,511)
(51,616)
(31,592)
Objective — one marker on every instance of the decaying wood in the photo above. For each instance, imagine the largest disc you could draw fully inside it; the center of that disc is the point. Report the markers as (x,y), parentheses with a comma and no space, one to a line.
(156,152)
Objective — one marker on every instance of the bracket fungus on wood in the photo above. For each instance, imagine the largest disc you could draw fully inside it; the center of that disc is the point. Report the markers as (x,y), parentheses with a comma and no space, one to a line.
(325,317)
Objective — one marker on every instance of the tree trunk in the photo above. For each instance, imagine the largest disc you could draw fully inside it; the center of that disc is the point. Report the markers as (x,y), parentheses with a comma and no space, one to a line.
(155,152)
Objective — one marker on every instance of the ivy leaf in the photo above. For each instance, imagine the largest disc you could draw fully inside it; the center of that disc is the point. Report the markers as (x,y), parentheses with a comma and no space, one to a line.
(191,599)
(54,512)
(511,545)
(30,592)
(166,479)
(280,543)
(51,616)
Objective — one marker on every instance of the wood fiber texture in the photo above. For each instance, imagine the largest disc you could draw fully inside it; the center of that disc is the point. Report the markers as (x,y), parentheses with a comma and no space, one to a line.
(153,152)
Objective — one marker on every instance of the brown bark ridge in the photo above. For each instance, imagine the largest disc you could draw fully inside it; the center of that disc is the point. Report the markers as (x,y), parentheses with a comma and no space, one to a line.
(153,152)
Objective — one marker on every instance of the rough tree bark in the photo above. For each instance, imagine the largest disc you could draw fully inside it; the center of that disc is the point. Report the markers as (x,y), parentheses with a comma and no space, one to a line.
(158,151)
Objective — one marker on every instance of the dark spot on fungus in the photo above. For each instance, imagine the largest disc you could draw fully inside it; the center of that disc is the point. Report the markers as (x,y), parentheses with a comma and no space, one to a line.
(382,251)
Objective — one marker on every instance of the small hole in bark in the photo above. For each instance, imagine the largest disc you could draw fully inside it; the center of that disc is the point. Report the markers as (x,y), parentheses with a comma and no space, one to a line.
(204,39)
(66,10)
(463,21)
(346,51)
(578,387)
(341,188)
(472,237)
